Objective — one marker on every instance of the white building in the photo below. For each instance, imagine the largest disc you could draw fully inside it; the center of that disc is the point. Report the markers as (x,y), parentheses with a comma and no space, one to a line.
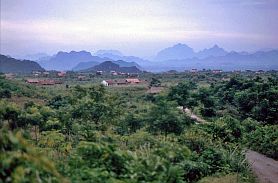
(104,83)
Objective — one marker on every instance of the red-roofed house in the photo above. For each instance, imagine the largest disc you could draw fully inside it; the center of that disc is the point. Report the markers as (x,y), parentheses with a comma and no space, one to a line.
(61,74)
(47,82)
(32,81)
(108,82)
(133,81)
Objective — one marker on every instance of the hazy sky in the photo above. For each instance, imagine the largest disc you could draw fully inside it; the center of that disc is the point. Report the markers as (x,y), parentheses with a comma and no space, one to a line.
(136,27)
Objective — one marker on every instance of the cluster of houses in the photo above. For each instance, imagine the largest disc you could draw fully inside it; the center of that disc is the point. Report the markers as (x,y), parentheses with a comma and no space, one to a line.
(46,73)
(216,71)
(120,82)
(115,73)
(43,82)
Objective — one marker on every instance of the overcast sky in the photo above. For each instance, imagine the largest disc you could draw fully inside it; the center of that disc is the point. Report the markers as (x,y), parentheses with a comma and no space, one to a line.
(136,27)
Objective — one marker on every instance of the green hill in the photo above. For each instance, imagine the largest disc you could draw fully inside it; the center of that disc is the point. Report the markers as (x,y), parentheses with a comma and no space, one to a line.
(11,65)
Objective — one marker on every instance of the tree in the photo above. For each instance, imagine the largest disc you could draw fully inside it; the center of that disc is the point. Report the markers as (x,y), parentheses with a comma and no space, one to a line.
(204,95)
(20,162)
(166,118)
(155,82)
(10,113)
(182,94)
(5,93)
(130,124)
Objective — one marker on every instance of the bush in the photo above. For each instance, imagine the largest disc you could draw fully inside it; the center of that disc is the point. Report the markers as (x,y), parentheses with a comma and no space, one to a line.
(264,140)
(194,171)
(5,93)
(19,162)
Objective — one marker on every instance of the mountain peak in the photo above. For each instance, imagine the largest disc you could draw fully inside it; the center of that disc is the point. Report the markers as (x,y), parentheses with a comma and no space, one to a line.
(214,51)
(180,45)
(216,46)
(108,52)
(178,51)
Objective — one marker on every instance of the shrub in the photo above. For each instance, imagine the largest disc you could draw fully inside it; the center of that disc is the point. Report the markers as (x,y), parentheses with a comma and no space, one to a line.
(264,140)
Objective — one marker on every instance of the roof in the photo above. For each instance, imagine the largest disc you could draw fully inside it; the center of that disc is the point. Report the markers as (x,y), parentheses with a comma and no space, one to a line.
(135,80)
(47,82)
(61,73)
(121,81)
(110,82)
(32,80)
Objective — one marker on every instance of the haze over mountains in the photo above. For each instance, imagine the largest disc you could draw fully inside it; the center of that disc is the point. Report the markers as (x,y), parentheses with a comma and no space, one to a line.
(177,57)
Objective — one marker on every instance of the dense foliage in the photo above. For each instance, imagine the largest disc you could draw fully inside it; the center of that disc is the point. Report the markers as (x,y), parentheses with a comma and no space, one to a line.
(87,133)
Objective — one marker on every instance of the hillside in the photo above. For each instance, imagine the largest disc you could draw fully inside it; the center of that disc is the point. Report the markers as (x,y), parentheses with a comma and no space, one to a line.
(87,65)
(110,66)
(84,65)
(8,64)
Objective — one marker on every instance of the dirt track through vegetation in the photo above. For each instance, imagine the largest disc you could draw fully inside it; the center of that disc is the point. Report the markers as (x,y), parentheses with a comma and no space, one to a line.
(264,168)
(193,116)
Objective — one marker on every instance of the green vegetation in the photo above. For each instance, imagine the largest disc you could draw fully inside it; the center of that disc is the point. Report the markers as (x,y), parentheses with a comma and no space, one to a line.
(89,133)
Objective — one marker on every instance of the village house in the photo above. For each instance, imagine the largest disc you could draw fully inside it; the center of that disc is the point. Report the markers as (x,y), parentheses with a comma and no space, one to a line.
(32,81)
(36,72)
(194,70)
(133,81)
(10,76)
(108,82)
(123,73)
(58,82)
(61,74)
(259,72)
(47,82)
(45,74)
(81,78)
(217,71)
(99,72)
(121,82)
(114,73)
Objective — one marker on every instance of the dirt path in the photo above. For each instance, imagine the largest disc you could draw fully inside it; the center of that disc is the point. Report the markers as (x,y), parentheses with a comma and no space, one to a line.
(192,115)
(265,169)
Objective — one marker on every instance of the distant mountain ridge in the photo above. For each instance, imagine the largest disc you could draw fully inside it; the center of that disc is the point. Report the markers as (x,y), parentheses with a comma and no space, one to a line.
(110,66)
(83,60)
(177,57)
(11,65)
(121,63)
(67,61)
(231,61)
(108,53)
(178,51)
(214,51)
(182,51)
